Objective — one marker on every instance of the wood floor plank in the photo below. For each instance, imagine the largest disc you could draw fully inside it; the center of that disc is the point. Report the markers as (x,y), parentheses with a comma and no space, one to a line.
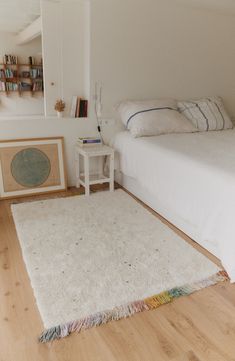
(200,327)
(189,356)
(195,329)
(206,329)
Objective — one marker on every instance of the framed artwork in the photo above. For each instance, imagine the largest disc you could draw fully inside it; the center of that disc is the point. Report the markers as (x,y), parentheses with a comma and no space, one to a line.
(31,166)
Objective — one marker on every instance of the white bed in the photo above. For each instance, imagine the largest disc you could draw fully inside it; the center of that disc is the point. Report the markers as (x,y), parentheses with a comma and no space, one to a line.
(190,180)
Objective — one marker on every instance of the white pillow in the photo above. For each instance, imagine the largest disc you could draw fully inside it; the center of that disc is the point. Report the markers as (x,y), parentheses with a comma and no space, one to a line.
(153,117)
(206,113)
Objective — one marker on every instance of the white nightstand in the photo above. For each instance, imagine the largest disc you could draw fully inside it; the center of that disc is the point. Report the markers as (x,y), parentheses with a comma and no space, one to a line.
(86,179)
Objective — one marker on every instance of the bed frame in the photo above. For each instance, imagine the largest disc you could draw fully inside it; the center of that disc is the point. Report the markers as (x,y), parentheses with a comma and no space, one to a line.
(135,188)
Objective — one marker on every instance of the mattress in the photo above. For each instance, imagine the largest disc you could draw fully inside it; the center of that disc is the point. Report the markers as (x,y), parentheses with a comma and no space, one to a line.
(190,180)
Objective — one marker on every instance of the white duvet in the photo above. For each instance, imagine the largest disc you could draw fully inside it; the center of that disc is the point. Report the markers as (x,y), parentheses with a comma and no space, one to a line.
(193,176)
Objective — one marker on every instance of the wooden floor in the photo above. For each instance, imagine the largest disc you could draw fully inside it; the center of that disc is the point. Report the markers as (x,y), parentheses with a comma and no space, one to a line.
(200,327)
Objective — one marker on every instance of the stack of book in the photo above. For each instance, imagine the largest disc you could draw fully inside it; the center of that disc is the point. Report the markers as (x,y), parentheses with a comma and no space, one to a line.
(79,107)
(88,141)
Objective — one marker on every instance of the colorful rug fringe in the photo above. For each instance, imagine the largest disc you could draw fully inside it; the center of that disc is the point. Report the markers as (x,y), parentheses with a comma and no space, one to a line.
(129,309)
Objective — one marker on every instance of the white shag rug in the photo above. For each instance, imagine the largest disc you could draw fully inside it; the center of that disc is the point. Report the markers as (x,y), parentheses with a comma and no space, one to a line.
(90,254)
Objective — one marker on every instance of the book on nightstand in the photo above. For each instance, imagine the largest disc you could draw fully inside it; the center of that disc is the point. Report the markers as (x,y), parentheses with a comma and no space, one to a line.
(89,141)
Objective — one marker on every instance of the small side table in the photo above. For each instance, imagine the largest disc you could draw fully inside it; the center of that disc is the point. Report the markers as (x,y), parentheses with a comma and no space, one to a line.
(86,179)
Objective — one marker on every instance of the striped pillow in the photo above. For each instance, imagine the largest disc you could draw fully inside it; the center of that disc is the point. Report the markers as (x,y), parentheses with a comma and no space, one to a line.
(206,114)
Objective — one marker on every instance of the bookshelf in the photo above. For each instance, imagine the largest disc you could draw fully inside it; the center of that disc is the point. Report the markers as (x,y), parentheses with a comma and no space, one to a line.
(21,78)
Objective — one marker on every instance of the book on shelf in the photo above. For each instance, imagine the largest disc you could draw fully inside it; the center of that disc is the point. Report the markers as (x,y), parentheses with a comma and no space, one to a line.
(36,73)
(79,107)
(2,74)
(9,73)
(86,109)
(83,108)
(37,85)
(10,59)
(31,60)
(73,106)
(9,86)
(2,86)
(89,141)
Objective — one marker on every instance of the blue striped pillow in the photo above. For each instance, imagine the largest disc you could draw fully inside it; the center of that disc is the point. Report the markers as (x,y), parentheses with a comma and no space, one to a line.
(206,114)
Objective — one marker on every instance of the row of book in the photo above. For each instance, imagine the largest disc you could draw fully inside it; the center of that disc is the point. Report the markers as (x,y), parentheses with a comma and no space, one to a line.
(88,141)
(36,73)
(22,86)
(79,107)
(37,86)
(10,59)
(33,73)
(8,86)
(8,73)
(13,60)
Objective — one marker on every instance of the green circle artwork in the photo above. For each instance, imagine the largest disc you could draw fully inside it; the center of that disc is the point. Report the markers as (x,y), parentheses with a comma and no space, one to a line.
(30,167)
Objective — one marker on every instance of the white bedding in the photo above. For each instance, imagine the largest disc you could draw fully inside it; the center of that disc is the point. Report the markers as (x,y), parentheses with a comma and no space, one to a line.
(192,178)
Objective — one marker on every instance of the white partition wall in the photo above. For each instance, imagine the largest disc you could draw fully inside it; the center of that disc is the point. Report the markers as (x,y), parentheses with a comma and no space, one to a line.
(51,49)
(65,34)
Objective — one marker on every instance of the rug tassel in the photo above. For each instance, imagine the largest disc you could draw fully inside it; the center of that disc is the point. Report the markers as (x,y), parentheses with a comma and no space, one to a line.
(50,335)
(130,309)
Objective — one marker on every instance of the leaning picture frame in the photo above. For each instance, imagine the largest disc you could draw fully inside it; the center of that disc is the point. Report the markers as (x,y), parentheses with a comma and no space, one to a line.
(32,166)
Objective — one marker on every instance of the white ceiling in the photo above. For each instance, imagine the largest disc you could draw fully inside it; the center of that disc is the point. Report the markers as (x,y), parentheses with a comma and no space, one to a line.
(222,6)
(15,15)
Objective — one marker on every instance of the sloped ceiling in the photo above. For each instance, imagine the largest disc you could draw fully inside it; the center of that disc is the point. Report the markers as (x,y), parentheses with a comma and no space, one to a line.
(15,15)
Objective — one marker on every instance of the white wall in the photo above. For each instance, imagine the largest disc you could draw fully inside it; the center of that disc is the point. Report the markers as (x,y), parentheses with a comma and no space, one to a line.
(138,49)
(161,48)
(13,104)
(75,50)
(37,127)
